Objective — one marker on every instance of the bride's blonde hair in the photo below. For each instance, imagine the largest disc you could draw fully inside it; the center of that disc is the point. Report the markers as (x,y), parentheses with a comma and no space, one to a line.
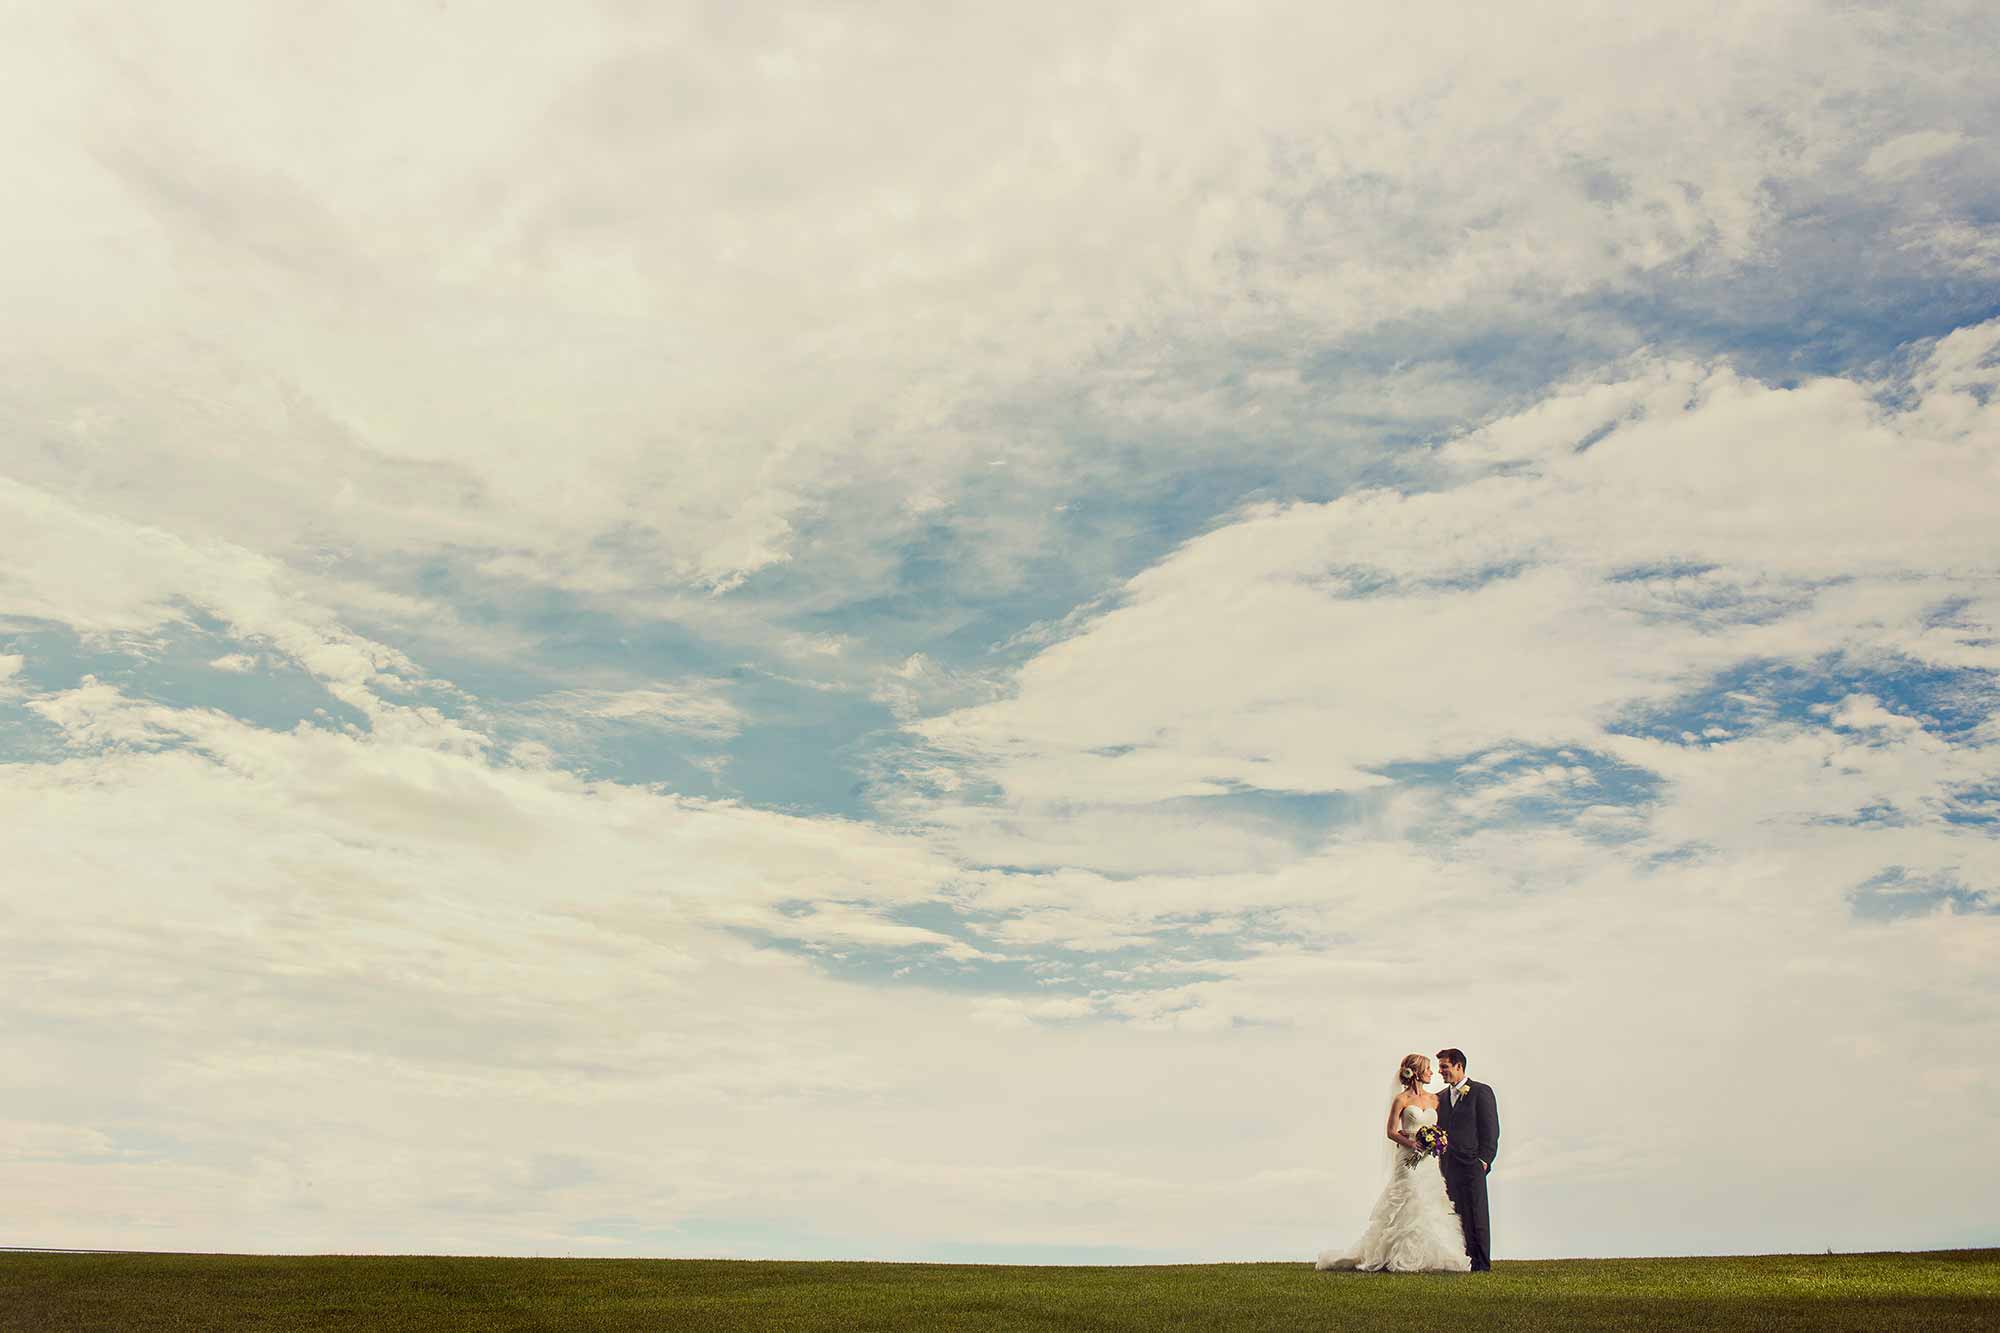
(1416,1069)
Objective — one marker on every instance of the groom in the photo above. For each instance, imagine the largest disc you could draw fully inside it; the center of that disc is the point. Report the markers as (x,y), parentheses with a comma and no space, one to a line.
(1470,1119)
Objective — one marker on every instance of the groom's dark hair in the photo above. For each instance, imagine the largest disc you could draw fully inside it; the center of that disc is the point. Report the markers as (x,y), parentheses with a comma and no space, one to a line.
(1453,1054)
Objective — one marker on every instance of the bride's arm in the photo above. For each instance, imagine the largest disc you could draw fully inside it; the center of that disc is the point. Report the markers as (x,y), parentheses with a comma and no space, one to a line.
(1396,1122)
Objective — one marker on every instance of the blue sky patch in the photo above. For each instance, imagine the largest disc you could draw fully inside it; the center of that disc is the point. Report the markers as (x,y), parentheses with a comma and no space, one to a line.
(1754,695)
(1897,893)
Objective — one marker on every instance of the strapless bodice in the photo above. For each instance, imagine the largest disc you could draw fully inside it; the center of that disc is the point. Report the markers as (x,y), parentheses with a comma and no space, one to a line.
(1416,1117)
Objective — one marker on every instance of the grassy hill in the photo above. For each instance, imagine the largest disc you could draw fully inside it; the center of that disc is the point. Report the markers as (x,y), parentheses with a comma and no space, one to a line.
(1959,1289)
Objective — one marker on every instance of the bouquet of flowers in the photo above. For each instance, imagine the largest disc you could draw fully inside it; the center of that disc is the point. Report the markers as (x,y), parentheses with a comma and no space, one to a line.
(1431,1142)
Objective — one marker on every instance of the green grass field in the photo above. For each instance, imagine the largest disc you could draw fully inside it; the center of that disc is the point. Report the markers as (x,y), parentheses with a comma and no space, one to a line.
(1955,1289)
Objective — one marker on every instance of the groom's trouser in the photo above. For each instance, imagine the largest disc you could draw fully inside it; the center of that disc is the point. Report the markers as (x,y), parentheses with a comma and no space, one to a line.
(1465,1182)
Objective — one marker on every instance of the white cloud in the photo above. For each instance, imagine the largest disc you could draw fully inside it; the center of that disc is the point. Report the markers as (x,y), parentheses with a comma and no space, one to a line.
(1863,712)
(1532,601)
(1964,246)
(378,1022)
(817,645)
(423,1002)
(1907,152)
(1110,209)
(921,684)
(107,576)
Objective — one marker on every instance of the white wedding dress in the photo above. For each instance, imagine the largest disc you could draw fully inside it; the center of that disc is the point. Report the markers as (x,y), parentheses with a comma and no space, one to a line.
(1413,1228)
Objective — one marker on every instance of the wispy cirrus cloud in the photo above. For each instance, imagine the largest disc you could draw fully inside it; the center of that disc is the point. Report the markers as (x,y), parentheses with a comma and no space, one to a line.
(706,399)
(699,708)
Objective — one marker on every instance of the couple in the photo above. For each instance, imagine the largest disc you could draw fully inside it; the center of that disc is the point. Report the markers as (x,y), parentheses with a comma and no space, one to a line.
(1432,1220)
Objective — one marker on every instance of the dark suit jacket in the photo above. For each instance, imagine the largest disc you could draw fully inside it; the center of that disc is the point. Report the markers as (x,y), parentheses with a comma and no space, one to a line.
(1473,1125)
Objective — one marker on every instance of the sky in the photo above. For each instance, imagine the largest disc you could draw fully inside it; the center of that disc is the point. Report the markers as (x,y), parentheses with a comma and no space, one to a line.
(917,631)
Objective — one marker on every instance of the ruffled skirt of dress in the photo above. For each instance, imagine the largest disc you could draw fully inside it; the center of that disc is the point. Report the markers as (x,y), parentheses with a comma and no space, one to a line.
(1412,1229)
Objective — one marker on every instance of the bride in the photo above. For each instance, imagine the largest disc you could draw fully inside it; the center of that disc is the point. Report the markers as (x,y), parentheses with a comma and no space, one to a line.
(1412,1228)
